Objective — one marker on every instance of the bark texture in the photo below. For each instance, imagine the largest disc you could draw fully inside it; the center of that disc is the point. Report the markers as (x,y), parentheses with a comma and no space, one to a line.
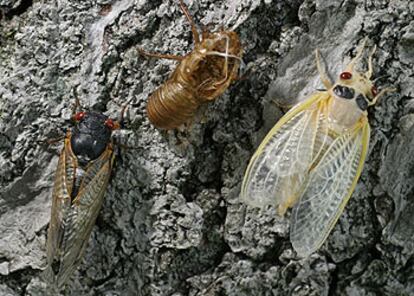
(172,223)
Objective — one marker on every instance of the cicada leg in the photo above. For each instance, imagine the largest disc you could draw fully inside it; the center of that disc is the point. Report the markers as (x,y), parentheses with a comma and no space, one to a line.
(121,117)
(66,291)
(278,102)
(368,74)
(55,140)
(196,35)
(119,124)
(159,55)
(325,80)
(77,103)
(225,55)
(179,137)
(226,63)
(75,107)
(380,94)
(360,50)
(201,115)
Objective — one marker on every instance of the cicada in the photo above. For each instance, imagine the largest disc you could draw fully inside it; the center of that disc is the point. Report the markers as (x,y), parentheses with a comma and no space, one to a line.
(202,75)
(312,158)
(82,177)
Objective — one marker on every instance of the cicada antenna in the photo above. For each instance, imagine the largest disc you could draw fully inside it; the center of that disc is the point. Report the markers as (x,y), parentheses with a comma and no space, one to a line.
(159,55)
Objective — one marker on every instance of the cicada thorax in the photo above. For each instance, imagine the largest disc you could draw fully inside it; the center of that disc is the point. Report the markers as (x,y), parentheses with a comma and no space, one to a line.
(89,139)
(90,136)
(351,96)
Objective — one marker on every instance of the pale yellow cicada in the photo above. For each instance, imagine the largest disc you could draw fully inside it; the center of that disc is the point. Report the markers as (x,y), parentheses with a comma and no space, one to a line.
(312,158)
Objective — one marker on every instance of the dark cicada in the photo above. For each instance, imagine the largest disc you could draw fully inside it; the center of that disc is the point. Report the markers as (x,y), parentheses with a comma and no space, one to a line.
(82,176)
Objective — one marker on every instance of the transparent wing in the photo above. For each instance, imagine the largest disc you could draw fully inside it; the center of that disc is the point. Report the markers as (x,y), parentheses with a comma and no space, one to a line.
(61,201)
(329,188)
(280,164)
(71,226)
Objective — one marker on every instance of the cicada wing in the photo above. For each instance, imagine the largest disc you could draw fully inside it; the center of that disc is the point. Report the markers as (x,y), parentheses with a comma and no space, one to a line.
(61,201)
(78,221)
(330,185)
(279,166)
(85,209)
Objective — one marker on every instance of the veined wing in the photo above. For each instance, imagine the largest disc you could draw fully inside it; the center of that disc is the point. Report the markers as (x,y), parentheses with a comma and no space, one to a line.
(76,223)
(61,201)
(329,188)
(280,165)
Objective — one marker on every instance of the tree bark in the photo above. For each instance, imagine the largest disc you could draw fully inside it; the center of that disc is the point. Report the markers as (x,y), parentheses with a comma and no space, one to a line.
(172,222)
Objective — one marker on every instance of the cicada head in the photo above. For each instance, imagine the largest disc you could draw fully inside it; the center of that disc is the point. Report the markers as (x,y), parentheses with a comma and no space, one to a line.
(353,84)
(218,59)
(91,135)
(224,42)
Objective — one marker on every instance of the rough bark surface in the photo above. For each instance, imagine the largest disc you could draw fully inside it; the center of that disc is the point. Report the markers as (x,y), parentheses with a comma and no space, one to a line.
(172,223)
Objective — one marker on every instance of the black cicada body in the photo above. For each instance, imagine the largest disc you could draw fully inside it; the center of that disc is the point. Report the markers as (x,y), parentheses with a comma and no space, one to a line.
(82,176)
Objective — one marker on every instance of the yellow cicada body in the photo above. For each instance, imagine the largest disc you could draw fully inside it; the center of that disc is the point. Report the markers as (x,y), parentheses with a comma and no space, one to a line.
(83,172)
(312,158)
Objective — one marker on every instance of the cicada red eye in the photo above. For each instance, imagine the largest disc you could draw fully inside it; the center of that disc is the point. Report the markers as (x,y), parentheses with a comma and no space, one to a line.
(374,91)
(110,123)
(345,75)
(79,116)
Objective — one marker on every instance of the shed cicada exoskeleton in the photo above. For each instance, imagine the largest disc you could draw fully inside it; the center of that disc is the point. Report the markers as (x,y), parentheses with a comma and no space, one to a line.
(201,76)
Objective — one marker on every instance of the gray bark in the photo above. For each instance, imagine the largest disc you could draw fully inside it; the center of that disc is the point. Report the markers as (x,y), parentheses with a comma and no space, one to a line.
(172,223)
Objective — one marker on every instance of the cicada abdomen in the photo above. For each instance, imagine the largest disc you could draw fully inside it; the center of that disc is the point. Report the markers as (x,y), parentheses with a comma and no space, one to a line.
(202,75)
(82,176)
